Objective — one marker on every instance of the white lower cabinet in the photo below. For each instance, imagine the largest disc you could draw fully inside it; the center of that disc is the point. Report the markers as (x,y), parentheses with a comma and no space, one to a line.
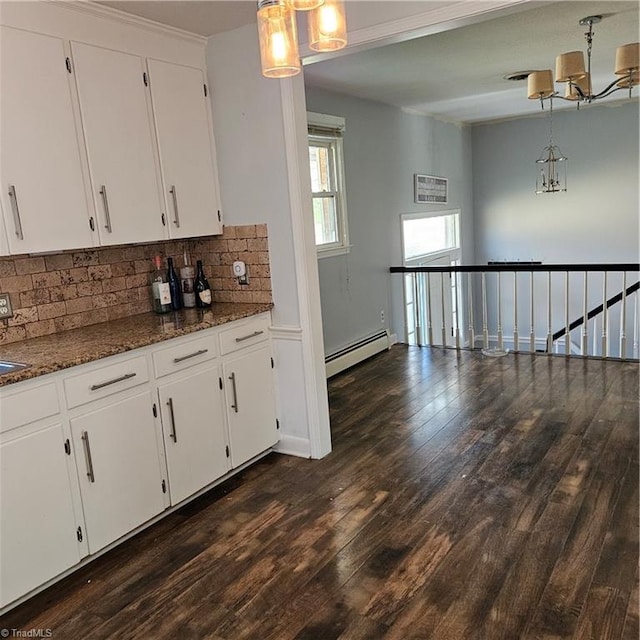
(39,536)
(119,468)
(250,403)
(95,452)
(194,434)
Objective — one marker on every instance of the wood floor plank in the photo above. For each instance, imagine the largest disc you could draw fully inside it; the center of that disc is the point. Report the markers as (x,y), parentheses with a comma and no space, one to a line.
(465,497)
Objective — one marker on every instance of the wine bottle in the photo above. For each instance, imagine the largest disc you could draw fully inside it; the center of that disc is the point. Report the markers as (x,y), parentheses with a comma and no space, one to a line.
(160,291)
(201,287)
(174,286)
(187,275)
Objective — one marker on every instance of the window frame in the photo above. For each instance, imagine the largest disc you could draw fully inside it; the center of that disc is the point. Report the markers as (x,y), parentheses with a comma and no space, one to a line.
(327,131)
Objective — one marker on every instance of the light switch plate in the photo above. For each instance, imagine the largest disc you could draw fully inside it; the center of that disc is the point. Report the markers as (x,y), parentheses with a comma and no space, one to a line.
(5,306)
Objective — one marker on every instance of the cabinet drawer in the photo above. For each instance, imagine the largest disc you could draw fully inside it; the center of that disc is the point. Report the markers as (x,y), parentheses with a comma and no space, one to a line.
(184,355)
(105,381)
(29,405)
(244,334)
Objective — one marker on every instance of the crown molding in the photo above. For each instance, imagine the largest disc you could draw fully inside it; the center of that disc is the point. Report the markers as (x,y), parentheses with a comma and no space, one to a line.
(92,8)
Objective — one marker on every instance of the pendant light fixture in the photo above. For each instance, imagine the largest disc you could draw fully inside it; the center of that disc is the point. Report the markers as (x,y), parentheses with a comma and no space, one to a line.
(551,165)
(278,39)
(570,68)
(327,26)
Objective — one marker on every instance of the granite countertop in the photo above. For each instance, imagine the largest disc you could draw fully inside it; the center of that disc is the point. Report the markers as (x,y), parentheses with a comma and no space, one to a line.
(79,346)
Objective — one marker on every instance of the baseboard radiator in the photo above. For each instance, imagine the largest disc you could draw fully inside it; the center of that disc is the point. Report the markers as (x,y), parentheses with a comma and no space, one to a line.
(356,352)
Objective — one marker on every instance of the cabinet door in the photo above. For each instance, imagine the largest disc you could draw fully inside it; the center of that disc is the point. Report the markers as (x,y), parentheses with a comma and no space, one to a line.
(115,108)
(186,152)
(38,537)
(192,423)
(118,467)
(250,404)
(43,193)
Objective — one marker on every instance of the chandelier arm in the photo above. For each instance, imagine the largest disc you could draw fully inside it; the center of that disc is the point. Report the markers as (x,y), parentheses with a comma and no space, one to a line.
(609,88)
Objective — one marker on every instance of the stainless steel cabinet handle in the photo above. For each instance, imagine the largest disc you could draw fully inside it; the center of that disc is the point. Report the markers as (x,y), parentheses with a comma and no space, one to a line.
(251,335)
(191,355)
(173,435)
(234,405)
(174,195)
(16,212)
(105,204)
(87,456)
(126,376)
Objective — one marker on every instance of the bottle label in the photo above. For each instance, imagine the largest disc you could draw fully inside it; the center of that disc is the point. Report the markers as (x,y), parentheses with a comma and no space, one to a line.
(205,296)
(162,292)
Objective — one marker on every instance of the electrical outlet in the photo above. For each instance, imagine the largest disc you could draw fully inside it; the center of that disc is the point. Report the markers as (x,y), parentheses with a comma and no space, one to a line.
(5,306)
(382,317)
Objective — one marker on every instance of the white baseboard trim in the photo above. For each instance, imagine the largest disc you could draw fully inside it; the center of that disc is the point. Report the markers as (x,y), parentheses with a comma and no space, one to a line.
(294,446)
(393,339)
(356,353)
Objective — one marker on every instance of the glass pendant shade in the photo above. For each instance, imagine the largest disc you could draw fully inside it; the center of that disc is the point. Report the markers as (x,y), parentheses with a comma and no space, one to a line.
(552,171)
(539,84)
(328,26)
(570,66)
(278,39)
(571,93)
(305,5)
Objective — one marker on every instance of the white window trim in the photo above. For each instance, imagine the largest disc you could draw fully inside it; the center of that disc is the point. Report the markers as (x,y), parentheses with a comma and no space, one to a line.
(454,251)
(336,123)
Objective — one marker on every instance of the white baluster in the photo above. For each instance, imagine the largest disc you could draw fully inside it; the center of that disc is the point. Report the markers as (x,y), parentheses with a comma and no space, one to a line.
(485,329)
(472,336)
(443,324)
(417,309)
(549,334)
(605,313)
(500,337)
(584,343)
(457,311)
(532,329)
(567,335)
(429,323)
(515,311)
(623,318)
(636,329)
(595,336)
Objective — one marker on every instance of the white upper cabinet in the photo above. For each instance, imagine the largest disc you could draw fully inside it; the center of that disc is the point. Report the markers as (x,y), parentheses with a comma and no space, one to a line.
(118,130)
(44,196)
(181,113)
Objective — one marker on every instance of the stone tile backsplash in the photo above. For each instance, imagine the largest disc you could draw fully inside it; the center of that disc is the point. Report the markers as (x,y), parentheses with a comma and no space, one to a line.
(51,293)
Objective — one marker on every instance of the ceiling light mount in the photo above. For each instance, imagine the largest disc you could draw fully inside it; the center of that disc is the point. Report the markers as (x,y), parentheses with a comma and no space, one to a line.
(570,69)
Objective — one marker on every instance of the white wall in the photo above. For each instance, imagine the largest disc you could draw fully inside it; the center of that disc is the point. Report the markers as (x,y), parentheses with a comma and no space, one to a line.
(596,220)
(258,139)
(383,148)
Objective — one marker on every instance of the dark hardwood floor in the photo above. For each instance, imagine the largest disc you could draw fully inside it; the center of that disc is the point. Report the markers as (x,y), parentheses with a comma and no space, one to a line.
(466,497)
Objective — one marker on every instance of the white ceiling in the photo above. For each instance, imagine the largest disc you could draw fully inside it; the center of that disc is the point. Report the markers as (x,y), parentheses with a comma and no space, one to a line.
(457,74)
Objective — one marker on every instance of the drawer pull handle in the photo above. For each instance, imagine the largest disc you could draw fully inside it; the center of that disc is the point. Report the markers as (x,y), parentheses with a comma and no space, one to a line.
(126,376)
(87,456)
(173,435)
(251,335)
(191,355)
(16,212)
(105,204)
(234,405)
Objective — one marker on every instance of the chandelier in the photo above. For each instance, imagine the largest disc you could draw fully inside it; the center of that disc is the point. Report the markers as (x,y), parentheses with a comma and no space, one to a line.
(552,165)
(327,31)
(570,69)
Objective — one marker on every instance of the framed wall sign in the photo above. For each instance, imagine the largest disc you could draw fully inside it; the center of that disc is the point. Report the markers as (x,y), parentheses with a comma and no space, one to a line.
(431,189)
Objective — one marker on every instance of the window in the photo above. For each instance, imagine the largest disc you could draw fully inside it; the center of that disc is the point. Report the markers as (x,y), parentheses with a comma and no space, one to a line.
(327,184)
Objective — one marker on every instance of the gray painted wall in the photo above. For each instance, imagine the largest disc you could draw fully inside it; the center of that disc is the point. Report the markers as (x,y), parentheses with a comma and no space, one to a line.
(383,149)
(596,220)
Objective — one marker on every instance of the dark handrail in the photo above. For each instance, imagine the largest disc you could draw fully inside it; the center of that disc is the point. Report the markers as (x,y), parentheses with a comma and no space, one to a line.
(524,267)
(596,311)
